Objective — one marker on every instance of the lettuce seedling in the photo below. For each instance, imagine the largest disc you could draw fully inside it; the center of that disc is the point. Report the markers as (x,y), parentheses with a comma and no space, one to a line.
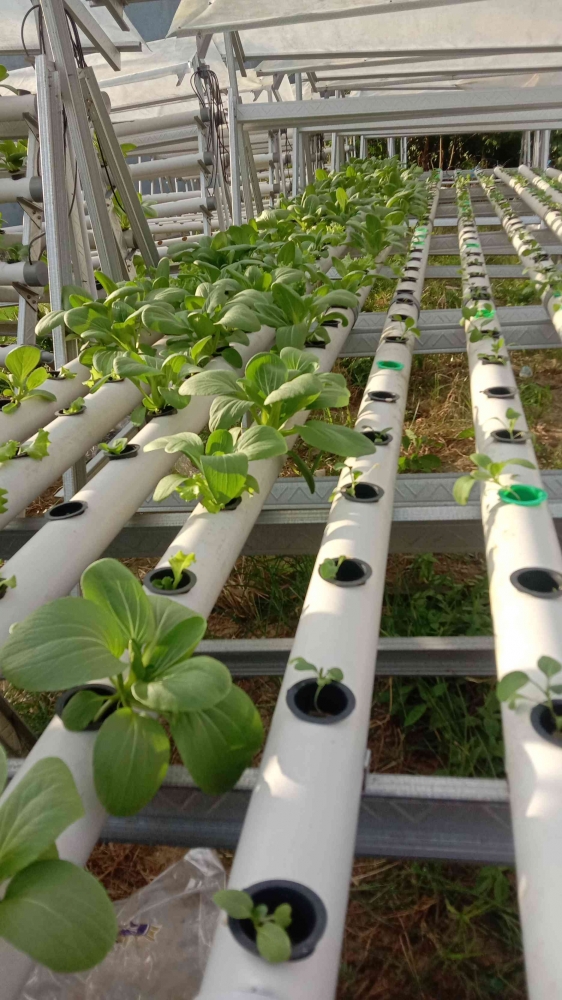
(272,940)
(509,689)
(45,897)
(77,406)
(37,448)
(323,677)
(178,565)
(73,641)
(117,448)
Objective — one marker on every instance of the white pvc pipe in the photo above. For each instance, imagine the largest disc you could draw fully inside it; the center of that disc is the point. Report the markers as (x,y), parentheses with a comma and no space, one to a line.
(35,274)
(13,109)
(180,120)
(187,165)
(525,628)
(23,187)
(541,183)
(34,413)
(552,218)
(302,818)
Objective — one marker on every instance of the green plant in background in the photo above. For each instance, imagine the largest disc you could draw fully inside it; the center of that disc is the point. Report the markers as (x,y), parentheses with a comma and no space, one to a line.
(6,582)
(486,471)
(37,448)
(179,564)
(323,677)
(272,939)
(509,689)
(22,379)
(12,155)
(52,910)
(416,459)
(4,76)
(222,464)
(76,640)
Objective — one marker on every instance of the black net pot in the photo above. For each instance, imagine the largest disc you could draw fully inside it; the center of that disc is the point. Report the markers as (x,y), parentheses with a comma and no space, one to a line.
(500,392)
(309,917)
(377,437)
(129,451)
(64,511)
(504,437)
(103,689)
(543,722)
(364,493)
(538,582)
(351,573)
(187,581)
(382,396)
(335,702)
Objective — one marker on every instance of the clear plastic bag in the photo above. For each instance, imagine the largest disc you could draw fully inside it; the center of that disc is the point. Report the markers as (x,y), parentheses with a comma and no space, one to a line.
(165,934)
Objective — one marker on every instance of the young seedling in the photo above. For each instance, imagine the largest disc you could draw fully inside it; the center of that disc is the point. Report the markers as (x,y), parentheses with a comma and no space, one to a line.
(178,565)
(323,677)
(116,448)
(509,689)
(22,378)
(6,582)
(214,724)
(486,471)
(272,940)
(77,406)
(494,353)
(354,476)
(81,927)
(37,448)
(329,568)
(512,418)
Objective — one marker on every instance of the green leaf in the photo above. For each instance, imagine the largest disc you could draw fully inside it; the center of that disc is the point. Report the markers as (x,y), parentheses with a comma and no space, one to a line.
(520,461)
(49,323)
(415,714)
(299,663)
(482,461)
(336,439)
(131,757)
(167,485)
(64,643)
(549,666)
(267,372)
(3,769)
(335,674)
(289,301)
(510,684)
(225,474)
(190,686)
(273,943)
(283,915)
(111,586)
(302,387)
(237,904)
(302,467)
(22,361)
(334,392)
(211,383)
(462,489)
(260,442)
(38,447)
(82,709)
(37,377)
(218,744)
(185,441)
(219,443)
(59,915)
(239,317)
(35,813)
(341,197)
(226,413)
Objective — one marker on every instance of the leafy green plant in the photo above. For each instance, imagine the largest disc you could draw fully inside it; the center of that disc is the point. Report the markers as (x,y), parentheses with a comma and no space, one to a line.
(509,689)
(158,380)
(416,459)
(328,569)
(77,406)
(494,353)
(222,463)
(3,501)
(12,155)
(178,565)
(323,677)
(6,582)
(272,939)
(117,448)
(73,641)
(37,448)
(52,910)
(23,378)
(486,471)
(509,425)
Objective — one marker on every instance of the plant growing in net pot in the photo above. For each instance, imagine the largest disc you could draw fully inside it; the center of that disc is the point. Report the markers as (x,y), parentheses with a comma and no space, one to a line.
(222,464)
(487,471)
(52,910)
(272,939)
(547,714)
(37,448)
(493,356)
(6,583)
(509,431)
(117,448)
(179,564)
(78,405)
(22,378)
(76,640)
(323,678)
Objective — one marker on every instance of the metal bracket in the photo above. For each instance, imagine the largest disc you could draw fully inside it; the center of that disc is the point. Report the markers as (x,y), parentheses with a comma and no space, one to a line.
(31,210)
(31,297)
(366,768)
(239,53)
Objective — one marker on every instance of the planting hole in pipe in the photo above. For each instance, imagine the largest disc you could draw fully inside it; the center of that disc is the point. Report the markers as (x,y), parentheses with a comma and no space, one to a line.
(102,690)
(523,495)
(503,436)
(168,411)
(62,511)
(308,916)
(335,702)
(364,493)
(380,438)
(395,338)
(538,582)
(393,366)
(543,723)
(233,504)
(500,392)
(345,572)
(187,581)
(129,451)
(382,396)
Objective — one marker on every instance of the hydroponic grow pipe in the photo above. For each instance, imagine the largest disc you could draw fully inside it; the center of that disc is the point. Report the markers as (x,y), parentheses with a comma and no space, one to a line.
(552,217)
(538,269)
(12,188)
(301,822)
(527,625)
(187,165)
(34,413)
(540,183)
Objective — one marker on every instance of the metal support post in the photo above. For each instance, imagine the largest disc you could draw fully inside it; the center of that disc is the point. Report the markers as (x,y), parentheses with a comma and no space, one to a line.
(391,146)
(80,252)
(536,152)
(335,157)
(253,174)
(309,170)
(233,131)
(362,147)
(404,150)
(27,306)
(545,149)
(297,144)
(525,155)
(245,174)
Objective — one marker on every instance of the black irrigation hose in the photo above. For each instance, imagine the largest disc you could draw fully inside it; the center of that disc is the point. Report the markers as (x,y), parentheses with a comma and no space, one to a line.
(205,85)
